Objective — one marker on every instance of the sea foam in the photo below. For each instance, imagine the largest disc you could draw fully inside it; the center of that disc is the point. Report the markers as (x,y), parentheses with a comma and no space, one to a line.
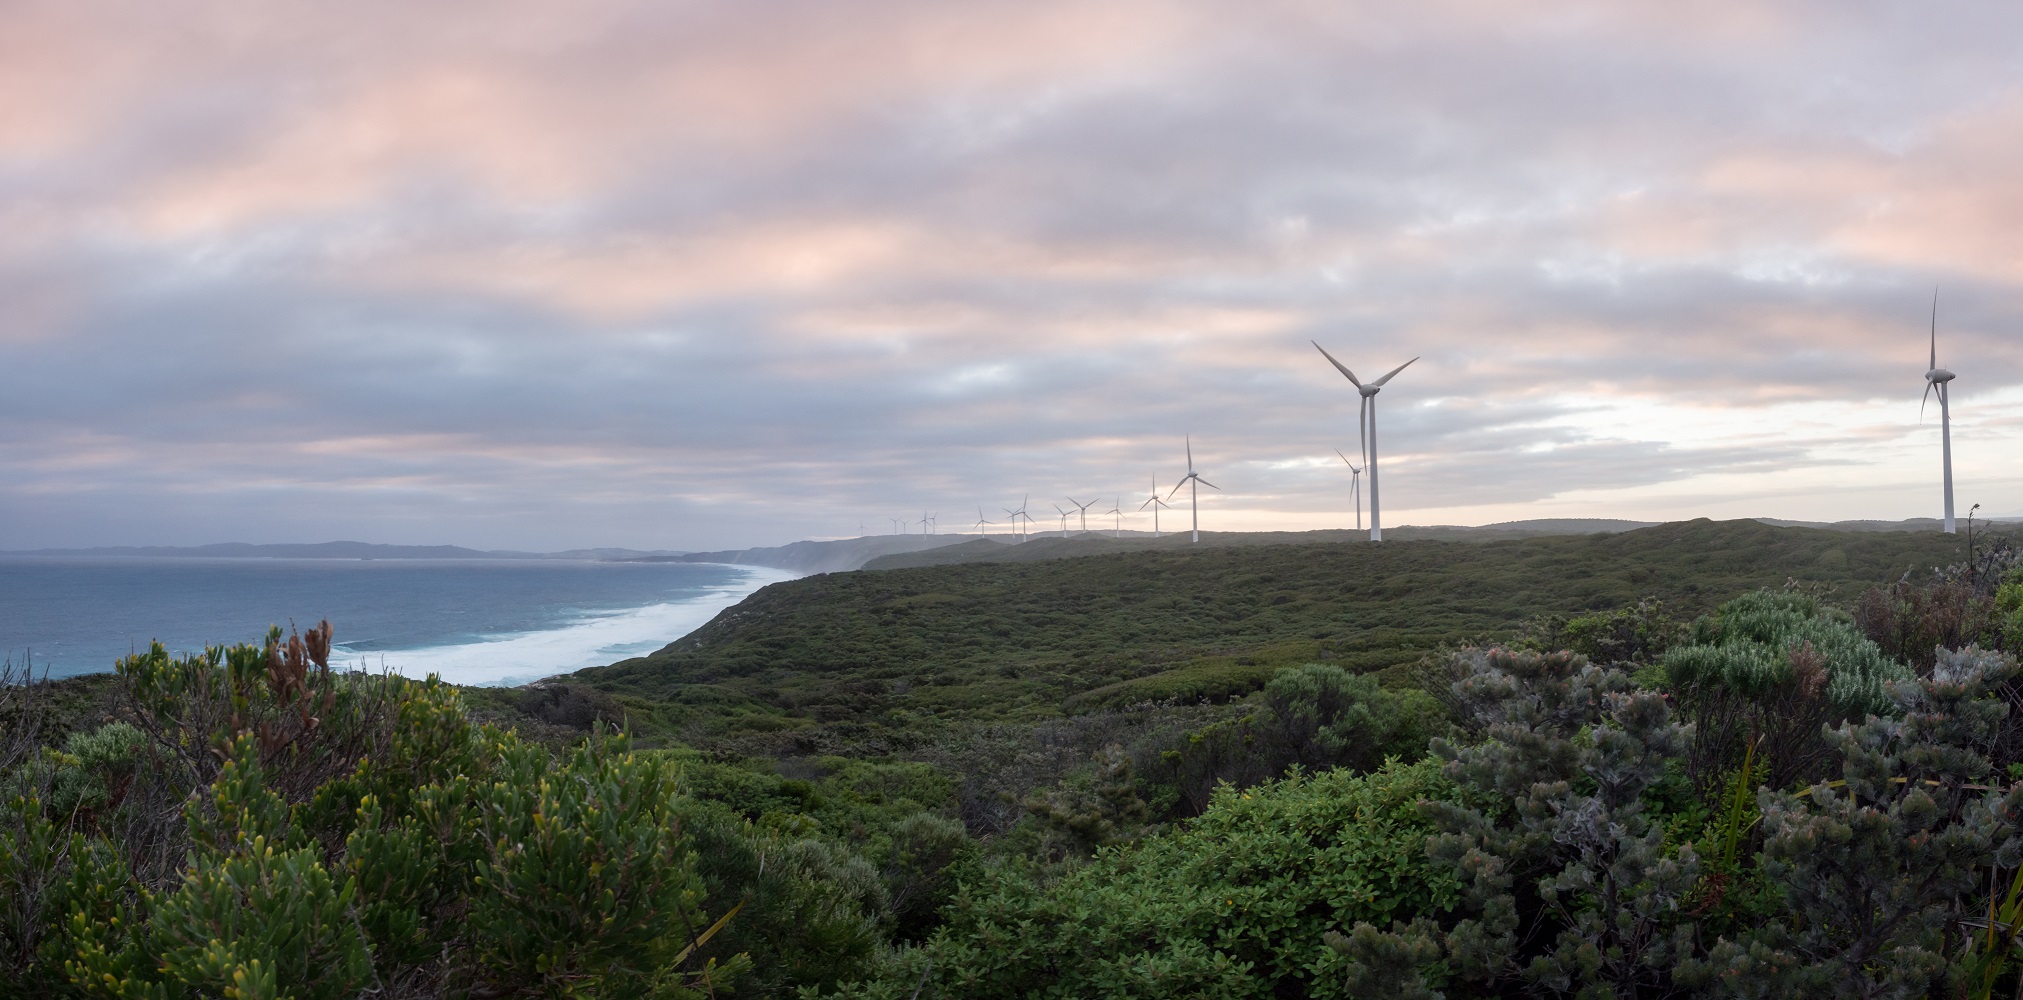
(592,640)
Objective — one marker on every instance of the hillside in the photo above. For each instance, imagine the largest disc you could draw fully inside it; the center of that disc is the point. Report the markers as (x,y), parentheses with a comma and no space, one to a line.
(1052,545)
(834,556)
(867,654)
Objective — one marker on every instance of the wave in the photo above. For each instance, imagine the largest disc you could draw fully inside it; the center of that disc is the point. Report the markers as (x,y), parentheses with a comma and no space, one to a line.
(592,640)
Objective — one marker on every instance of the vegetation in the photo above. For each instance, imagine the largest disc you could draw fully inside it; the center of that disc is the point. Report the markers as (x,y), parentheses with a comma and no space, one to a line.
(871,663)
(1706,760)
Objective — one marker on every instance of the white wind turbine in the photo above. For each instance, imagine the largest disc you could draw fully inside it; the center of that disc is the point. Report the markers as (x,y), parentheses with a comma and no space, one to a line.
(1937,378)
(1019,513)
(1064,521)
(1355,487)
(926,523)
(1084,508)
(1155,503)
(980,522)
(1118,510)
(1367,430)
(1193,493)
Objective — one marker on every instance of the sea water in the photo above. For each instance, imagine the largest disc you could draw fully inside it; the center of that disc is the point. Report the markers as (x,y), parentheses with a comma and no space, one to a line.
(471,621)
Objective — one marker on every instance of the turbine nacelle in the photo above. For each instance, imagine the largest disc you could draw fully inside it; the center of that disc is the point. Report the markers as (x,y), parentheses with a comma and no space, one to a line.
(1939,375)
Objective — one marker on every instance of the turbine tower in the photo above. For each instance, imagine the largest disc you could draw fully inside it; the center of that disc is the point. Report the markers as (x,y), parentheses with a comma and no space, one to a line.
(1193,494)
(1366,427)
(1155,503)
(1937,378)
(1355,487)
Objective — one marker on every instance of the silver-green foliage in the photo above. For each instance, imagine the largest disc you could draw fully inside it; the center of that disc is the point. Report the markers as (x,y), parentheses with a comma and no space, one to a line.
(1746,648)
(1880,870)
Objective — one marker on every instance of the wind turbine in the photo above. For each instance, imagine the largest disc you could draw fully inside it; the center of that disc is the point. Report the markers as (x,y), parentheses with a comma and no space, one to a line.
(1019,513)
(1366,427)
(1155,503)
(1084,508)
(926,523)
(1064,519)
(1937,378)
(1355,487)
(980,522)
(1118,510)
(1193,493)
(895,524)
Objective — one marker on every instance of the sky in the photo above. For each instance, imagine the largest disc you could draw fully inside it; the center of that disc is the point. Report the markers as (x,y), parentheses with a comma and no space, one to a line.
(700,275)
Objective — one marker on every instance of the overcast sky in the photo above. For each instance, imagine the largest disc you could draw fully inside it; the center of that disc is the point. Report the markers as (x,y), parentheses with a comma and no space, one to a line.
(689,275)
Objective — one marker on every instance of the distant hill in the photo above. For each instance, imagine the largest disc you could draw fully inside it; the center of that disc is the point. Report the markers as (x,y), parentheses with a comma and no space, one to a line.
(1909,524)
(835,556)
(1051,545)
(330,550)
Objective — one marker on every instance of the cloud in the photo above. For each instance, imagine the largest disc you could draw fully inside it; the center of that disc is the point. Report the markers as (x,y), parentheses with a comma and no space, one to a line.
(704,274)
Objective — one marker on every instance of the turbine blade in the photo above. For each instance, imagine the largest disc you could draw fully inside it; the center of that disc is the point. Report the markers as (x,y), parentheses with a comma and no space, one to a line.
(1393,371)
(1927,398)
(1176,486)
(1935,330)
(1206,483)
(1345,459)
(1148,503)
(1331,360)
(1190,453)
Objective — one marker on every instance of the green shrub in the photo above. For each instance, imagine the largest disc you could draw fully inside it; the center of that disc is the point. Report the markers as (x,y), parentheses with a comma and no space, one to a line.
(1747,646)
(1323,716)
(1232,904)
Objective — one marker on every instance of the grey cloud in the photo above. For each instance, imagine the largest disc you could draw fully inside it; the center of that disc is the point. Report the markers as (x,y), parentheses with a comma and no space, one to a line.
(1407,183)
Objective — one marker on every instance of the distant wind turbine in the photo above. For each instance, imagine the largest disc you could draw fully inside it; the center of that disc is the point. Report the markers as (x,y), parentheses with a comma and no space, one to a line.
(895,524)
(1021,513)
(1937,378)
(1355,487)
(1118,510)
(1084,508)
(1064,520)
(980,522)
(1155,503)
(1193,494)
(1366,426)
(926,523)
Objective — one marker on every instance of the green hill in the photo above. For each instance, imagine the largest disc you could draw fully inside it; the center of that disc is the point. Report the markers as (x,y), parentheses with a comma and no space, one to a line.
(885,655)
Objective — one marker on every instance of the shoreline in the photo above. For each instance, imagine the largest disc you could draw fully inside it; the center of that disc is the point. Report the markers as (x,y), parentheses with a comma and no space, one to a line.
(513,660)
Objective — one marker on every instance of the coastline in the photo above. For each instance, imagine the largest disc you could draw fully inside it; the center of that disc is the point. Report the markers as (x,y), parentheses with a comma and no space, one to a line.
(591,641)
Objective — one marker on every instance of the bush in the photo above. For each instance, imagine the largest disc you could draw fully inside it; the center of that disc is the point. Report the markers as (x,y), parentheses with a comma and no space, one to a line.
(1232,904)
(1323,716)
(1774,669)
(333,830)
(1879,870)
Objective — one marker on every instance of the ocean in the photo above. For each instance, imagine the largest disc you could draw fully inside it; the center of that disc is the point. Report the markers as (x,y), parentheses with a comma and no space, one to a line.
(472,621)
